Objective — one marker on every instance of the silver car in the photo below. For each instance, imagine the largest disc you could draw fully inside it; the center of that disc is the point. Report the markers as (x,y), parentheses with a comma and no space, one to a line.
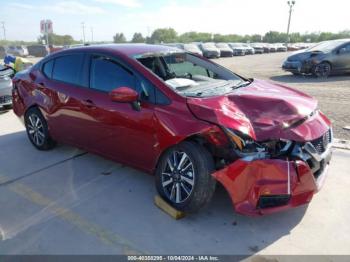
(209,50)
(225,49)
(5,87)
(17,50)
(238,48)
(193,48)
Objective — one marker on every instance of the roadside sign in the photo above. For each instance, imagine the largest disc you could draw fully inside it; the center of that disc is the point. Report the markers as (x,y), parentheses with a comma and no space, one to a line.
(46,26)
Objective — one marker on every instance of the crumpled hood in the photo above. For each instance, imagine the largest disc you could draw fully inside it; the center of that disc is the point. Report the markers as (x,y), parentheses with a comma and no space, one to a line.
(301,56)
(263,110)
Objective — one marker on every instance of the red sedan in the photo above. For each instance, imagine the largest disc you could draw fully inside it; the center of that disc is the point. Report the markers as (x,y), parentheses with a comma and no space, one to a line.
(183,118)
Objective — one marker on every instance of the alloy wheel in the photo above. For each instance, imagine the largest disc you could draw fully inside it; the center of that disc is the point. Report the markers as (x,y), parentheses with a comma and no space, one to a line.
(322,70)
(178,177)
(36,129)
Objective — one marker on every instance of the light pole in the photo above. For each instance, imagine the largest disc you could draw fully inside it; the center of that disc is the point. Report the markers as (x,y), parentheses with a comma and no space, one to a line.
(92,34)
(4,29)
(290,4)
(83,26)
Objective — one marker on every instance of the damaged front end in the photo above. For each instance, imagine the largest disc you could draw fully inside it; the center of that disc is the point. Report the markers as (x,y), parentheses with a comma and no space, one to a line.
(269,176)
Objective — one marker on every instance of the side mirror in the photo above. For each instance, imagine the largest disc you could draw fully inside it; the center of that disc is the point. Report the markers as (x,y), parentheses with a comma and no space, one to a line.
(126,95)
(342,51)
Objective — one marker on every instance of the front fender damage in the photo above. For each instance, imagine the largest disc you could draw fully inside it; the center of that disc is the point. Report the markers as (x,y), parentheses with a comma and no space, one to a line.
(249,183)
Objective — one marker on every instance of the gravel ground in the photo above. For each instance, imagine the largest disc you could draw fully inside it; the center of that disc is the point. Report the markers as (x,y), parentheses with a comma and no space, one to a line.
(332,93)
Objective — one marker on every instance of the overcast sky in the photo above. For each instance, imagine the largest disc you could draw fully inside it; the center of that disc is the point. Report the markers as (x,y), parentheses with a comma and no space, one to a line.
(107,17)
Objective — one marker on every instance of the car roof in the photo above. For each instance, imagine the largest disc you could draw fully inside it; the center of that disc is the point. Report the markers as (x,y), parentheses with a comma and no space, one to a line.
(126,49)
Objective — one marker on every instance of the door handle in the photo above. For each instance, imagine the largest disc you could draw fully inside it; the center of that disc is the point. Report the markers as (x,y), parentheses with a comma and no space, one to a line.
(88,103)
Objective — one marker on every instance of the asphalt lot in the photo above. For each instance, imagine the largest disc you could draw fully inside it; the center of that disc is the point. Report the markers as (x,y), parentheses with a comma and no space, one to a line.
(333,93)
(66,201)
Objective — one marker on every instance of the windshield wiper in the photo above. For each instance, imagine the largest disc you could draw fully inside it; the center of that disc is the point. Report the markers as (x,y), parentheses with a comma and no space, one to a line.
(242,84)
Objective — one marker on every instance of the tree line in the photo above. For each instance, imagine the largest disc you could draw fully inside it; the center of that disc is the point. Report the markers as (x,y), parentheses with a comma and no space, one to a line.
(169,35)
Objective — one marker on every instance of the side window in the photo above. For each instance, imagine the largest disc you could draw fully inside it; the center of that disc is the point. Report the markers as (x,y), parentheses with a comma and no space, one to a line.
(106,75)
(47,68)
(68,68)
(347,47)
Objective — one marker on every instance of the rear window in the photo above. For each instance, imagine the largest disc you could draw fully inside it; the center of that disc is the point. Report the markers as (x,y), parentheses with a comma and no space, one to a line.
(68,68)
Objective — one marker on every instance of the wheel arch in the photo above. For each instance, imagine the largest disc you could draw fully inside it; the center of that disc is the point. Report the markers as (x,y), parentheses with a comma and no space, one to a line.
(211,139)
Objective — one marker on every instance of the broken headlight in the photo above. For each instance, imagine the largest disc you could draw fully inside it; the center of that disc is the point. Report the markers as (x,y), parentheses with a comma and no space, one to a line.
(245,146)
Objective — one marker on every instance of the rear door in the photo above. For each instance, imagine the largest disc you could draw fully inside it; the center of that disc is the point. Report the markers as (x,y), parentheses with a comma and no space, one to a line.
(66,83)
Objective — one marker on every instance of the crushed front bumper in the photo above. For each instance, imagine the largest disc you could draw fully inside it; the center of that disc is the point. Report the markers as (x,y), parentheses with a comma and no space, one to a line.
(266,186)
(299,67)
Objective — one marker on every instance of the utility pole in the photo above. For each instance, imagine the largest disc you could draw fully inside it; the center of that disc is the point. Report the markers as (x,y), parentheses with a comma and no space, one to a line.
(290,4)
(92,34)
(83,26)
(4,29)
(47,34)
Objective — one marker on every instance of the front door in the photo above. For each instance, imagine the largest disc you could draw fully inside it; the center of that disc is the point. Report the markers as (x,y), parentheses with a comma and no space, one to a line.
(342,59)
(117,130)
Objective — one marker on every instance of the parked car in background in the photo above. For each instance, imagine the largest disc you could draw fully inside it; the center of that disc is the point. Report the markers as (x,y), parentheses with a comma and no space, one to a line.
(37,50)
(17,50)
(321,60)
(2,52)
(53,48)
(292,47)
(248,49)
(258,48)
(193,48)
(272,48)
(188,121)
(225,50)
(280,47)
(266,47)
(209,50)
(6,73)
(238,48)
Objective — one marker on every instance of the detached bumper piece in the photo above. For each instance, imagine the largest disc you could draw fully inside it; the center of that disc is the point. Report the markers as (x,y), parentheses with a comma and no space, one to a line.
(266,186)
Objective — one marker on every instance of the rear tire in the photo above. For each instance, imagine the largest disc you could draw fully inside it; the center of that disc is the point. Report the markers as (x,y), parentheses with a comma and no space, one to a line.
(183,177)
(37,130)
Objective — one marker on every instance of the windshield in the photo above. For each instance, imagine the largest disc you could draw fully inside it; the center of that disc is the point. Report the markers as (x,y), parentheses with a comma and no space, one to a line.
(189,75)
(326,46)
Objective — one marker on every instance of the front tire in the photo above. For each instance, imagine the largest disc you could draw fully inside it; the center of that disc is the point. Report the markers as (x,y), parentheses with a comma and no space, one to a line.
(322,69)
(183,177)
(37,130)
